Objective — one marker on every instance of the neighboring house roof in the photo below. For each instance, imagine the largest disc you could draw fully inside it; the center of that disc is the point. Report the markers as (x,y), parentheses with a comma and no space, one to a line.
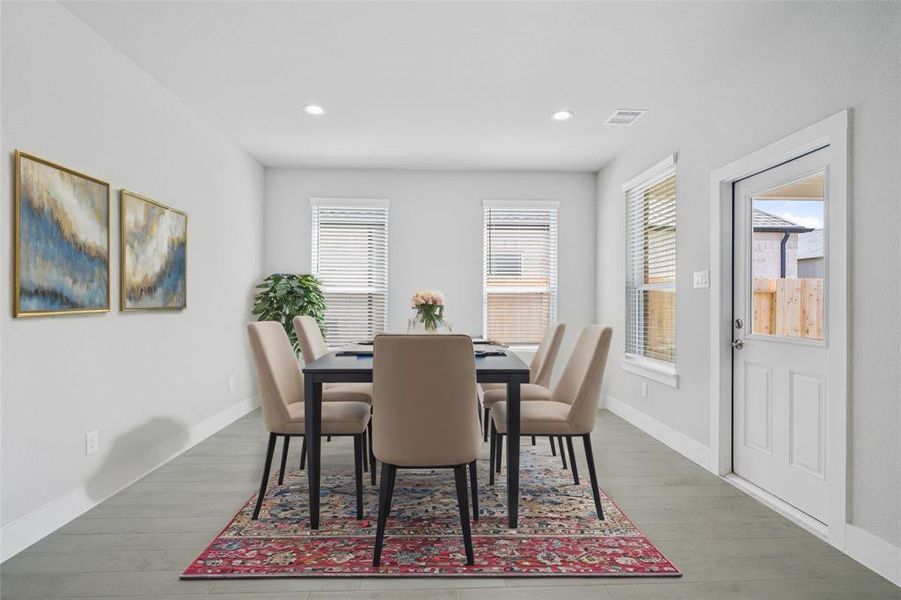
(810,244)
(764,221)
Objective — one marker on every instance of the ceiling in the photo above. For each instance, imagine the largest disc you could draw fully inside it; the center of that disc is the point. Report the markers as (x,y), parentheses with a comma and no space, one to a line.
(452,85)
(809,188)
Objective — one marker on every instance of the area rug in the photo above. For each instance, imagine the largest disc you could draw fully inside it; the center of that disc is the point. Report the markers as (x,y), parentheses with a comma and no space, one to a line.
(559,534)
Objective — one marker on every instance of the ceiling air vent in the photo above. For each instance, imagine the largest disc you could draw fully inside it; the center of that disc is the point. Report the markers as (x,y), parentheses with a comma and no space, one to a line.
(625,116)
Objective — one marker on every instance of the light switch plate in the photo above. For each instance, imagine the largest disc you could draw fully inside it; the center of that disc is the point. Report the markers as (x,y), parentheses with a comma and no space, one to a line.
(701,279)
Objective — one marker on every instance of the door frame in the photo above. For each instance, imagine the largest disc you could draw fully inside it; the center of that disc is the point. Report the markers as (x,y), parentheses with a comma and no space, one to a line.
(832,131)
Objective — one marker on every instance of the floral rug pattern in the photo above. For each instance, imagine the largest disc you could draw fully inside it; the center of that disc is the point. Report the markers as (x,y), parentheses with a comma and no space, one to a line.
(558,535)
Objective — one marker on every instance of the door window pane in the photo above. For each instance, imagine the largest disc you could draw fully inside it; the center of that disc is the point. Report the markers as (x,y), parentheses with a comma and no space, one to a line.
(788,260)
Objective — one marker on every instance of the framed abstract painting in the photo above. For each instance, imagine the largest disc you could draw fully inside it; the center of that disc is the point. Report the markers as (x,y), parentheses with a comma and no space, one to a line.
(62,240)
(154,258)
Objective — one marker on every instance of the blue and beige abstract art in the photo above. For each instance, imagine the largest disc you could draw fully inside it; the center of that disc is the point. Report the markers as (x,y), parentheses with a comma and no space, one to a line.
(62,240)
(154,254)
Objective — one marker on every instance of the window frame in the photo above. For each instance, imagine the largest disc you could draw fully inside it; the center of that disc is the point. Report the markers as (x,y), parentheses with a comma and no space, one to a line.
(350,204)
(655,369)
(553,285)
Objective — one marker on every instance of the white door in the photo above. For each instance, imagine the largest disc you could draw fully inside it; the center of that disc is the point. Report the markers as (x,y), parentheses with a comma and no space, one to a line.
(780,347)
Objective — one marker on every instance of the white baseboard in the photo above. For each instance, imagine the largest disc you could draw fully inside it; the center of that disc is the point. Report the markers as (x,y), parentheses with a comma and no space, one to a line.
(678,441)
(874,553)
(27,530)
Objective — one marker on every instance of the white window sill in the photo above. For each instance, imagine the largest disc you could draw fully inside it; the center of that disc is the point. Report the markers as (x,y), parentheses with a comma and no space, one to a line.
(525,352)
(654,370)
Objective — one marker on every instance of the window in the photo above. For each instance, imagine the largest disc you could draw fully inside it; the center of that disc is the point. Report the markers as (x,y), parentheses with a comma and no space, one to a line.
(505,264)
(519,282)
(350,258)
(651,264)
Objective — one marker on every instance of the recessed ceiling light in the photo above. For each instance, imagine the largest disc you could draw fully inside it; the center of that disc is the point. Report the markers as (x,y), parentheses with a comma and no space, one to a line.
(625,116)
(314,109)
(562,115)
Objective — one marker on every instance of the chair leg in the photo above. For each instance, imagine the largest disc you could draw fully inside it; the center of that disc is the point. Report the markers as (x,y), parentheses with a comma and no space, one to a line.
(492,449)
(281,469)
(589,457)
(463,504)
(562,451)
(391,488)
(303,454)
(487,423)
(385,491)
(359,455)
(474,485)
(328,438)
(365,454)
(270,450)
(553,445)
(572,459)
(500,451)
(371,454)
(533,440)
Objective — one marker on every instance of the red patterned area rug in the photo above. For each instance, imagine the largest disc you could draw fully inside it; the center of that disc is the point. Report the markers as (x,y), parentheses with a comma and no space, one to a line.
(559,534)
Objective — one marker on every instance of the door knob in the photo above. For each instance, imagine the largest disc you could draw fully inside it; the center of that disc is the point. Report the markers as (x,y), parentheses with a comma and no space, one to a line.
(738,344)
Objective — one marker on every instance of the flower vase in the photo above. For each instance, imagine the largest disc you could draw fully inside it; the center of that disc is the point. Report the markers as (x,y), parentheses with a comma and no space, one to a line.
(429,315)
(434,323)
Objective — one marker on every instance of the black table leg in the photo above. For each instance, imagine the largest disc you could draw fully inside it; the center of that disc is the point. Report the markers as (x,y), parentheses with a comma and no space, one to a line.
(513,452)
(313,429)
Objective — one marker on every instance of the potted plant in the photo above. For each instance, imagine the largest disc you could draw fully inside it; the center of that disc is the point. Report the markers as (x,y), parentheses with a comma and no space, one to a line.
(283,296)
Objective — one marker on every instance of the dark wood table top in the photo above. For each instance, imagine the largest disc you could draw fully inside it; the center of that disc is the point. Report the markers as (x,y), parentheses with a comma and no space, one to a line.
(487,367)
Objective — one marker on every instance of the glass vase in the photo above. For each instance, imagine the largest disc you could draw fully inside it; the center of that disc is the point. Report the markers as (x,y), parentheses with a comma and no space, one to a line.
(436,324)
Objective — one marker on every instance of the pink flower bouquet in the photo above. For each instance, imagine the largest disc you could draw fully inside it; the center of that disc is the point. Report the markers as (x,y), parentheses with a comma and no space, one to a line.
(429,306)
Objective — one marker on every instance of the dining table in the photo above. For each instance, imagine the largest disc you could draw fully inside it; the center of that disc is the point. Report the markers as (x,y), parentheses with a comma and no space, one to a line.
(356,367)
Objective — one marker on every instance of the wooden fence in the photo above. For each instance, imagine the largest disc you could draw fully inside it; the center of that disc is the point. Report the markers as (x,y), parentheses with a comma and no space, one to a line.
(789,307)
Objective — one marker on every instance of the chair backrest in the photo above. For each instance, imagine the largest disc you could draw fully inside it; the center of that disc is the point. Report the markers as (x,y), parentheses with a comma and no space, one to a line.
(542,366)
(424,401)
(279,378)
(312,344)
(580,383)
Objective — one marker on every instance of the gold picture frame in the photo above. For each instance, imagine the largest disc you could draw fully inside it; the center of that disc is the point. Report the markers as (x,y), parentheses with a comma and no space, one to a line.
(167,221)
(60,234)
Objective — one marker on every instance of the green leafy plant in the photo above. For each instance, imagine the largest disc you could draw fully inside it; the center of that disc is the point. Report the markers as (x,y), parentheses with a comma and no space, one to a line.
(283,296)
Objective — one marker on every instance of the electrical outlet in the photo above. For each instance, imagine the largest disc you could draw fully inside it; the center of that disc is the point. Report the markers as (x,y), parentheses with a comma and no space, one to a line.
(701,279)
(91,442)
(644,390)
(231,384)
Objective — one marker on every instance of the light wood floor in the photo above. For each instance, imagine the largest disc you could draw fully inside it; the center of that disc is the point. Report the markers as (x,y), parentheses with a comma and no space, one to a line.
(729,546)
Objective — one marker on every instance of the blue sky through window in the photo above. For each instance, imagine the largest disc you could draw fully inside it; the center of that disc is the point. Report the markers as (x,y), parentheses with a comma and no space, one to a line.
(808,213)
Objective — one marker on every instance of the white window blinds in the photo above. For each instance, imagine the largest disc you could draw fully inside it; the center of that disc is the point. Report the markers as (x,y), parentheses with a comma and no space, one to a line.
(350,258)
(651,263)
(519,299)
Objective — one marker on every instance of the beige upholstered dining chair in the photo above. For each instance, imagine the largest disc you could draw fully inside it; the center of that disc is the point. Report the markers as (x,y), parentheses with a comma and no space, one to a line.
(312,346)
(572,407)
(540,370)
(280,383)
(425,387)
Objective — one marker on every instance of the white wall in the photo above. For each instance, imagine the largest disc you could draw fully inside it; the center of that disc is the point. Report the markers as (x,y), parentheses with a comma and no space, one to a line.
(832,57)
(766,255)
(435,232)
(149,382)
